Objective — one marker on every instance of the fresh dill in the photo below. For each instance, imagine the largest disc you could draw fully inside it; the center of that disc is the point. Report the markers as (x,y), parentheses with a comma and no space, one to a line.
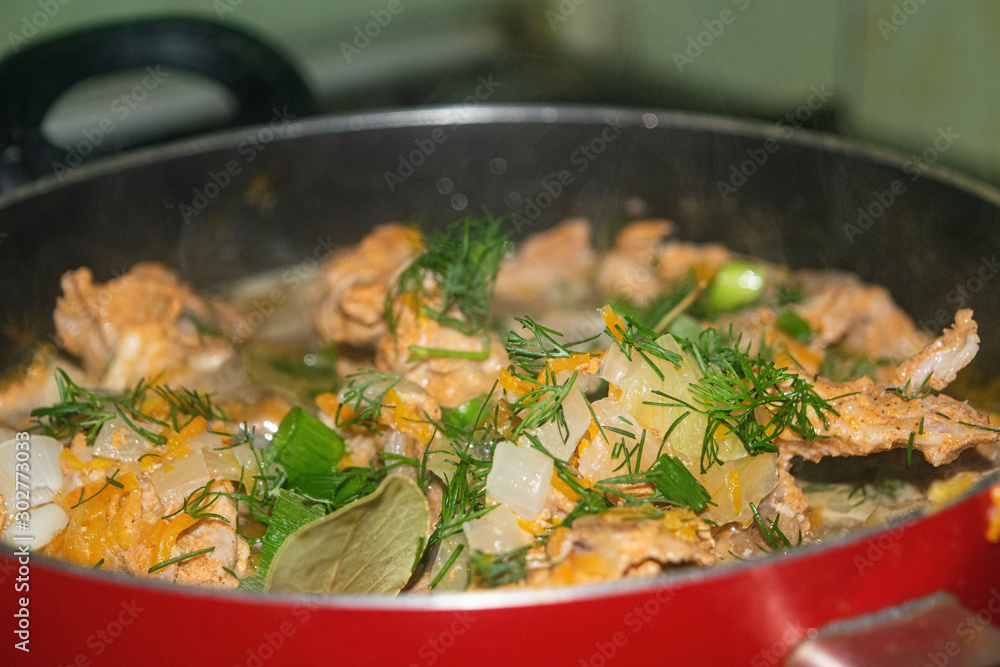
(452,281)
(364,394)
(178,559)
(108,481)
(673,483)
(531,353)
(492,570)
(749,396)
(541,404)
(920,392)
(773,535)
(631,336)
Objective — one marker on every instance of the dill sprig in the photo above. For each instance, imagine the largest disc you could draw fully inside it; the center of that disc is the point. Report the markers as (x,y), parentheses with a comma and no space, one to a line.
(920,392)
(197,503)
(541,404)
(458,269)
(492,570)
(190,402)
(634,337)
(673,483)
(365,394)
(773,535)
(531,354)
(736,390)
(178,559)
(87,410)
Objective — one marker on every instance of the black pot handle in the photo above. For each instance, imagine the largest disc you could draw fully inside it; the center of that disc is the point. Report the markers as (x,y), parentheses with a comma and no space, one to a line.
(260,78)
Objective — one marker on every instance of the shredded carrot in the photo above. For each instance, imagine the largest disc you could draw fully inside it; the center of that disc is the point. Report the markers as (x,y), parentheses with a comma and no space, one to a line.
(733,482)
(130,507)
(406,419)
(70,460)
(177,440)
(329,404)
(993,530)
(614,392)
(583,362)
(515,385)
(616,325)
(165,533)
(562,487)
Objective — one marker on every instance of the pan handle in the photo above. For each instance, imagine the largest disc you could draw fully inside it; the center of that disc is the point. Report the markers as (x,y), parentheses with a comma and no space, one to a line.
(260,78)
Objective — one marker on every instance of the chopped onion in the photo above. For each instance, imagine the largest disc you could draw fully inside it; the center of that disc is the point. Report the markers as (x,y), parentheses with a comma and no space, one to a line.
(175,480)
(221,463)
(496,532)
(735,484)
(129,446)
(457,576)
(595,461)
(43,524)
(42,474)
(577,418)
(521,477)
(638,382)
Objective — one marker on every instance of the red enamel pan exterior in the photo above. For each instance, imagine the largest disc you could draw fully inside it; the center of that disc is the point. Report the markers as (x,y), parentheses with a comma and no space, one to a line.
(328,181)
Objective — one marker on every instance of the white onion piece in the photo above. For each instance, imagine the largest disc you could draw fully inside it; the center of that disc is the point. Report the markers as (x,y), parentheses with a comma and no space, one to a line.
(577,418)
(638,382)
(129,445)
(496,532)
(740,482)
(175,480)
(595,458)
(457,576)
(521,477)
(222,463)
(205,441)
(43,478)
(244,457)
(43,524)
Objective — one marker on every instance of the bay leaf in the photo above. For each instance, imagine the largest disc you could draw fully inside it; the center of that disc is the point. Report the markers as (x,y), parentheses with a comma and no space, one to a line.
(366,547)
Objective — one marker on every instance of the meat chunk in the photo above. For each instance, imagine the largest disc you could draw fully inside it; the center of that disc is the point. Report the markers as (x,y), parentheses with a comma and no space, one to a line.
(874,419)
(627,270)
(355,281)
(551,268)
(230,551)
(862,318)
(138,325)
(642,264)
(451,381)
(939,362)
(619,544)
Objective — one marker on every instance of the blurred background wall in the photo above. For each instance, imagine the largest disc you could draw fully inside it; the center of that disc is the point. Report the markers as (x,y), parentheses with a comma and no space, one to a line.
(902,73)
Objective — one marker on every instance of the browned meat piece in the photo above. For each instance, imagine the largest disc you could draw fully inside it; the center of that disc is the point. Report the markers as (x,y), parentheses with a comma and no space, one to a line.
(943,358)
(550,268)
(353,287)
(862,318)
(873,419)
(788,502)
(676,261)
(619,544)
(231,551)
(628,269)
(136,326)
(450,381)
